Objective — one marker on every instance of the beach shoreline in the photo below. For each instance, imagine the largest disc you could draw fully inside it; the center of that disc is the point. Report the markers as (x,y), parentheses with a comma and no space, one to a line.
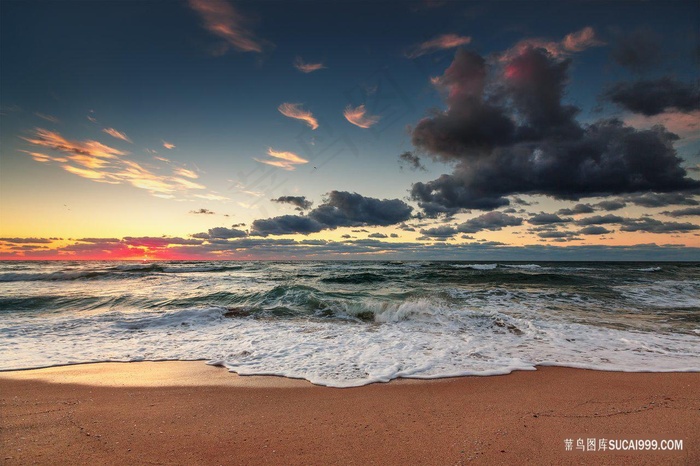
(190,412)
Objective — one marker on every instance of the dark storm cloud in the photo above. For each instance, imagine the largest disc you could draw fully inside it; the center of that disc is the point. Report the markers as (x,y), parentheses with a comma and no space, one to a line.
(661,199)
(284,225)
(600,220)
(690,211)
(651,97)
(221,233)
(492,221)
(340,209)
(99,240)
(638,51)
(507,132)
(352,209)
(471,122)
(444,231)
(594,230)
(26,240)
(521,201)
(651,225)
(412,160)
(556,234)
(611,205)
(546,219)
(299,201)
(577,209)
(450,194)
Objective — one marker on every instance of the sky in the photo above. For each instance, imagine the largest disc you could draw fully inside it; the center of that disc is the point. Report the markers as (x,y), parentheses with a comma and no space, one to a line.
(438,130)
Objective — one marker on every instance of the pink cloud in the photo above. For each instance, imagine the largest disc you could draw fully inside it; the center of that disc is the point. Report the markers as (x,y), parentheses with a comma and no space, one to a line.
(577,41)
(295,111)
(168,145)
(685,125)
(581,40)
(358,116)
(445,41)
(307,67)
(224,21)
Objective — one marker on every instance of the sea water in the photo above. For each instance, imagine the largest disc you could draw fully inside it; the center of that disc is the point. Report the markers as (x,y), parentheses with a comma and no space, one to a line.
(346,324)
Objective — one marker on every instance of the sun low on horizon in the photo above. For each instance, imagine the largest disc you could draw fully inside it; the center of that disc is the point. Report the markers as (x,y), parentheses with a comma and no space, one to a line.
(398,130)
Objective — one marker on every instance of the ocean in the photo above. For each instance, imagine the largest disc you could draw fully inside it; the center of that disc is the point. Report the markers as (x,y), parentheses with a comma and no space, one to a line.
(344,324)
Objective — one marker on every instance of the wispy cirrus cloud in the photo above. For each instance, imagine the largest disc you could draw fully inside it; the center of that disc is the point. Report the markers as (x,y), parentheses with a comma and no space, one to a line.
(101,163)
(46,117)
(186,173)
(168,145)
(117,134)
(212,197)
(443,42)
(39,157)
(358,116)
(295,111)
(307,67)
(224,21)
(285,160)
(89,153)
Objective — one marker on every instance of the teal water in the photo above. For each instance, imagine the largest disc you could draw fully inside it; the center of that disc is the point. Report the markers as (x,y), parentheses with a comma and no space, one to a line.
(353,323)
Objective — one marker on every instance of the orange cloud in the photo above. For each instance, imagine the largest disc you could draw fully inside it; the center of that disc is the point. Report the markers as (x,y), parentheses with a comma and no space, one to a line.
(358,116)
(307,67)
(295,111)
(98,162)
(186,173)
(54,140)
(39,157)
(285,160)
(445,41)
(84,173)
(116,134)
(168,145)
(224,21)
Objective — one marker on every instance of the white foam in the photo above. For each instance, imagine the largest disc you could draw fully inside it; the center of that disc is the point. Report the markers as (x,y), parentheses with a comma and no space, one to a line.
(668,294)
(420,339)
(523,266)
(475,266)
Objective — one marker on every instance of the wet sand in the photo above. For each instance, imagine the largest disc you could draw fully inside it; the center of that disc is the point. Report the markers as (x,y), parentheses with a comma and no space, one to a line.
(191,413)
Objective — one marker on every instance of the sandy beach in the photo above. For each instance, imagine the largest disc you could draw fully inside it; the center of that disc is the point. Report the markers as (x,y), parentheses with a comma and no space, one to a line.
(191,413)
